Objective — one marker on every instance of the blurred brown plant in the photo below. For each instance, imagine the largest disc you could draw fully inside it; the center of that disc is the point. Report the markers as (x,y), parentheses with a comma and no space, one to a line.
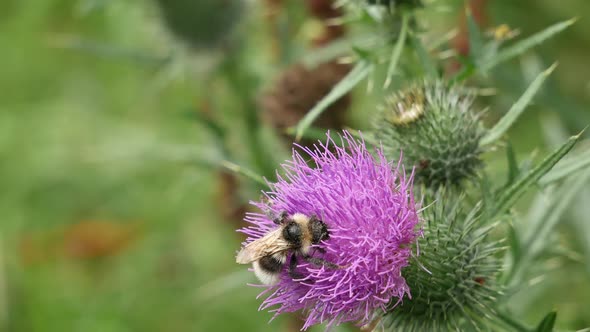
(273,9)
(230,205)
(325,10)
(460,43)
(478,9)
(298,89)
(97,238)
(84,240)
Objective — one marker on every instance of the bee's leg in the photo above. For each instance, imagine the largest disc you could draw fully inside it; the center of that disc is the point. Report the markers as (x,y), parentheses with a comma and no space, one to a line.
(321,262)
(281,218)
(320,250)
(292,267)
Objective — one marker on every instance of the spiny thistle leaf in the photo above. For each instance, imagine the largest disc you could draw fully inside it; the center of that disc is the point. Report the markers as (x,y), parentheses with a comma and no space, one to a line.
(546,325)
(312,133)
(567,167)
(475,38)
(525,44)
(426,61)
(516,110)
(245,172)
(508,197)
(513,169)
(540,227)
(397,50)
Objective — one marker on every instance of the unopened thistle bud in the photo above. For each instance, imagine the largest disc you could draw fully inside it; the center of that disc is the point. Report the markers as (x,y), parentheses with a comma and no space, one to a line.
(437,130)
(202,23)
(453,279)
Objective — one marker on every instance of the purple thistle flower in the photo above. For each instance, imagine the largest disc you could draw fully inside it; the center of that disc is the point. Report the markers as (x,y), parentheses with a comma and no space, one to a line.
(368,206)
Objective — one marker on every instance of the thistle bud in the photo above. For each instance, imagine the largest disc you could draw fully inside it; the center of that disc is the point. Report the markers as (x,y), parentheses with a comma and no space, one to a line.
(435,127)
(202,23)
(453,278)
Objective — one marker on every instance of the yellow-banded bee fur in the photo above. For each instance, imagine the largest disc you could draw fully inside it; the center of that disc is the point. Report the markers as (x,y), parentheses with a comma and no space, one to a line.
(405,107)
(296,235)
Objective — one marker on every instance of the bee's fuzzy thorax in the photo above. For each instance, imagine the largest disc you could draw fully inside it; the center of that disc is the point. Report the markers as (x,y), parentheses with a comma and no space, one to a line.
(299,218)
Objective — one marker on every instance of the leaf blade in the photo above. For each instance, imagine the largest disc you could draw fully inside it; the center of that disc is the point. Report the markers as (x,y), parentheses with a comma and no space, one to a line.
(428,65)
(513,169)
(509,196)
(546,325)
(235,168)
(517,108)
(397,50)
(475,40)
(537,237)
(566,167)
(526,44)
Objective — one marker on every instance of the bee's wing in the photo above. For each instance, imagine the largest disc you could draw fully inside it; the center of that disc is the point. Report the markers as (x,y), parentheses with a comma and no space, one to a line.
(269,244)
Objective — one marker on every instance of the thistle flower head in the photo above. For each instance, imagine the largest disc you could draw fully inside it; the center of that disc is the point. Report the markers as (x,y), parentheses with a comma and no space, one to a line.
(368,206)
(436,128)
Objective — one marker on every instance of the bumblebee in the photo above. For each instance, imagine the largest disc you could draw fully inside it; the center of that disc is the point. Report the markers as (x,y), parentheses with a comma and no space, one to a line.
(296,235)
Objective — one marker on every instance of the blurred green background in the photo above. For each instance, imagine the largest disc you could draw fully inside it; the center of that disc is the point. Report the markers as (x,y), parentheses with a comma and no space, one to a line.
(111,215)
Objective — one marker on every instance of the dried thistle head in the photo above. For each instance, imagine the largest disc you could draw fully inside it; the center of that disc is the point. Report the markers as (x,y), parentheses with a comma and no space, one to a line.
(323,9)
(298,90)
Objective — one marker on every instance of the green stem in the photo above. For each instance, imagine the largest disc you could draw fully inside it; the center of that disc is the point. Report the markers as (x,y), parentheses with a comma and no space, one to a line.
(244,87)
(245,172)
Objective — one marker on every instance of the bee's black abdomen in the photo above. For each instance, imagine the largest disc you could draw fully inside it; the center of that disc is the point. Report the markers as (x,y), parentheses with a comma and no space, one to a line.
(270,264)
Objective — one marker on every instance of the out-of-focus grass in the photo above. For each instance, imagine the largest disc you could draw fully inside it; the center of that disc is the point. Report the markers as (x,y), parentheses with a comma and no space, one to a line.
(108,220)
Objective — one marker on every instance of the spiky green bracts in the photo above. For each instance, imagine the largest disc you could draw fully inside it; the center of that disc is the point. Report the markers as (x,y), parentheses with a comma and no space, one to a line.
(437,130)
(453,278)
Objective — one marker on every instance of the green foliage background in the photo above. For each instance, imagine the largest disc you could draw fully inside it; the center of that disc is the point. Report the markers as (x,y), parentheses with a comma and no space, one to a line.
(97,122)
